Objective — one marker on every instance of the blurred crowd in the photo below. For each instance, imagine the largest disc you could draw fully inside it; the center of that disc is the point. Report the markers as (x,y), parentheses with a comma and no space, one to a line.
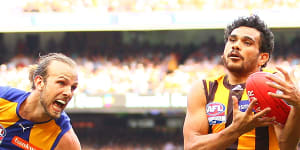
(140,68)
(101,75)
(103,6)
(111,76)
(112,132)
(140,139)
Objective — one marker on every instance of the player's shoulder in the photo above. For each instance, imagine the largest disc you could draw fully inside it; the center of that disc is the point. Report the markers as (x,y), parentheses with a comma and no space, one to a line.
(69,141)
(12,94)
(197,96)
(215,78)
(64,121)
(269,70)
(6,89)
(64,124)
(200,84)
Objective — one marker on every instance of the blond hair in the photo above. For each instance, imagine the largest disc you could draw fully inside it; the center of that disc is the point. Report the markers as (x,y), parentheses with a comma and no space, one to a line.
(41,69)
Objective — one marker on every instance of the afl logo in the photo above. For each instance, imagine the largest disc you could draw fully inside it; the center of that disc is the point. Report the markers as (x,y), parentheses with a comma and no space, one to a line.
(2,133)
(215,109)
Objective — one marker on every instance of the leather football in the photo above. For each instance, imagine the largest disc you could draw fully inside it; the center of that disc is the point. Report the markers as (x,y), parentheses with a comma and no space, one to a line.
(257,88)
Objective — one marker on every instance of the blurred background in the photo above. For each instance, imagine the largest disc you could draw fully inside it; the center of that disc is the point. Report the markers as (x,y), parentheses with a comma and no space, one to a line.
(137,58)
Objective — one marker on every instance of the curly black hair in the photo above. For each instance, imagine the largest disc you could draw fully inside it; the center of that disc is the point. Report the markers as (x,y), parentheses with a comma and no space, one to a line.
(253,21)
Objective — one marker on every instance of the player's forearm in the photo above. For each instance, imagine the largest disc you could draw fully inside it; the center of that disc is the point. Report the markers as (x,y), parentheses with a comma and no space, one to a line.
(215,141)
(291,132)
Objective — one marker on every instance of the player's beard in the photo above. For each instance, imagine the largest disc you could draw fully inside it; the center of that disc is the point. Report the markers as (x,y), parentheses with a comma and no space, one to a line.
(243,67)
(47,106)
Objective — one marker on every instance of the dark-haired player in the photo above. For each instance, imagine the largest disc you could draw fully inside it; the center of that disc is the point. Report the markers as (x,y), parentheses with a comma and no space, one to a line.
(219,115)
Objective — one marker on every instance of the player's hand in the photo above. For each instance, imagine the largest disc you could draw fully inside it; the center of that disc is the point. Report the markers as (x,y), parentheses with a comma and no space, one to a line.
(288,86)
(246,121)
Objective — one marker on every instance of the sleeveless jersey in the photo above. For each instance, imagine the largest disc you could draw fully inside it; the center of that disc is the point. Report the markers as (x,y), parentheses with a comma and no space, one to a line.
(219,110)
(17,133)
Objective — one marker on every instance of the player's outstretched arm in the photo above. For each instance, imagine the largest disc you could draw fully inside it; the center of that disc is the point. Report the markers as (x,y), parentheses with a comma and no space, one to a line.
(289,135)
(69,141)
(196,125)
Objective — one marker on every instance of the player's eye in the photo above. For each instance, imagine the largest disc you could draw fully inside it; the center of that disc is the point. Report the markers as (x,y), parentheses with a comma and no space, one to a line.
(73,88)
(231,39)
(61,82)
(248,43)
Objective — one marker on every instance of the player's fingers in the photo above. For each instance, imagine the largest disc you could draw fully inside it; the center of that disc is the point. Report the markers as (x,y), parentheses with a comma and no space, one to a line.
(287,98)
(279,95)
(262,113)
(265,121)
(235,104)
(280,84)
(285,73)
(251,106)
(294,77)
(275,85)
(276,80)
(263,124)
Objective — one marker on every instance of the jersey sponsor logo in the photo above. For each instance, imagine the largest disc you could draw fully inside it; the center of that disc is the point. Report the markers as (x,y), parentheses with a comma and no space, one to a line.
(215,113)
(214,109)
(23,144)
(238,88)
(2,133)
(243,105)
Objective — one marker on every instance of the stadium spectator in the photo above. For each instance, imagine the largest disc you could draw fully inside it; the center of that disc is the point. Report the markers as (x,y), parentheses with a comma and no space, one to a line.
(172,63)
(152,5)
(249,44)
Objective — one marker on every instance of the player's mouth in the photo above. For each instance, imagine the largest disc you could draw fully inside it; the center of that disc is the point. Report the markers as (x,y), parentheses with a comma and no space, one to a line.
(59,105)
(234,55)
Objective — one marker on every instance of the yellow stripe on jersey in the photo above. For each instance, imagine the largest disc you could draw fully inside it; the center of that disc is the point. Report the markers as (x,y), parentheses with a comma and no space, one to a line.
(245,96)
(217,128)
(222,94)
(273,139)
(246,141)
(42,138)
(8,112)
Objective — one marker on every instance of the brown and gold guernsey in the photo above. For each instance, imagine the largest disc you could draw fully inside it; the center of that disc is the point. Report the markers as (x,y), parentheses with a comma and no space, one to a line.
(219,110)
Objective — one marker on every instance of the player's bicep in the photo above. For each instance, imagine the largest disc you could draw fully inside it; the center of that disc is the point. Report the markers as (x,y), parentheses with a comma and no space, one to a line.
(196,119)
(69,141)
(196,123)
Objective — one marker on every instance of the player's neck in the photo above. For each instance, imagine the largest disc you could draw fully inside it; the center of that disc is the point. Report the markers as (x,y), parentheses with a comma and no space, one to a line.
(238,78)
(32,110)
(234,80)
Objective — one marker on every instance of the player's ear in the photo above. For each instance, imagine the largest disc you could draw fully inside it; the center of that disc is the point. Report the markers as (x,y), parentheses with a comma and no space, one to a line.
(39,82)
(263,58)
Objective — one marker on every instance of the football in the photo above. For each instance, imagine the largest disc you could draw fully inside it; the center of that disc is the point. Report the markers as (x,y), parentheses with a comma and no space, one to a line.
(256,87)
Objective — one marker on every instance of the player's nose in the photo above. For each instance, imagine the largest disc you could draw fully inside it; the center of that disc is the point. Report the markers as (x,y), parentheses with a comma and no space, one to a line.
(68,92)
(236,45)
